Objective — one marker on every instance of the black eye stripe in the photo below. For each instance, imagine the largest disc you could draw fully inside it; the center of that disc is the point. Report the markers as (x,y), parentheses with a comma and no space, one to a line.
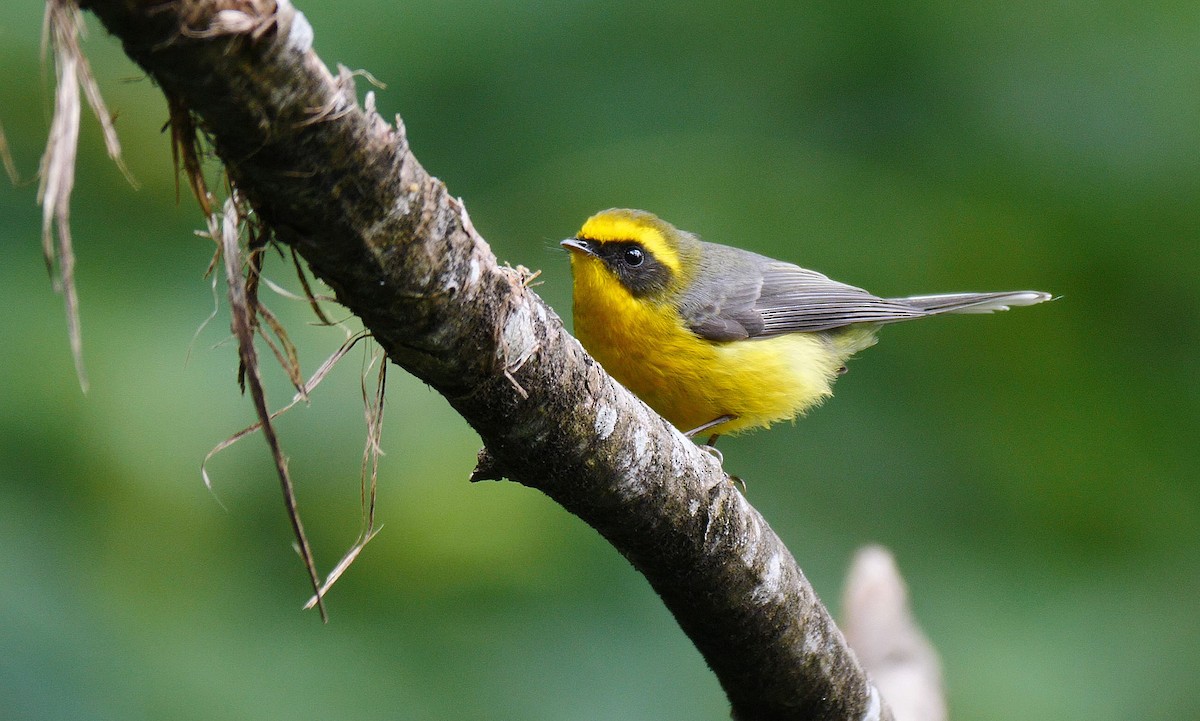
(635,267)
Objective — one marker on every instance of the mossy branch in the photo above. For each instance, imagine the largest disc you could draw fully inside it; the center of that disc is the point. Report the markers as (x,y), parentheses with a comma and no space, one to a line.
(337,183)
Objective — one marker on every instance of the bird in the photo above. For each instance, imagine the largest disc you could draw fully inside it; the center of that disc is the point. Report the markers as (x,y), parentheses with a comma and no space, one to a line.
(722,340)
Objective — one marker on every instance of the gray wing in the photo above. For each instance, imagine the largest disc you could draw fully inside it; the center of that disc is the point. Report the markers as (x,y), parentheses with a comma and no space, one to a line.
(744,295)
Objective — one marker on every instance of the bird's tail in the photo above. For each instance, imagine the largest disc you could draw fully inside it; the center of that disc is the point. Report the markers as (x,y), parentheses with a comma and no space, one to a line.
(973,302)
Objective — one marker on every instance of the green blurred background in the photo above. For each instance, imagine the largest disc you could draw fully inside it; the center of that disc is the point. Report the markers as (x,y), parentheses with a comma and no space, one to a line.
(1035,472)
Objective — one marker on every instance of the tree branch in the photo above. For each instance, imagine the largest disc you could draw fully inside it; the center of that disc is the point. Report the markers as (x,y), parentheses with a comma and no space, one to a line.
(881,628)
(339,184)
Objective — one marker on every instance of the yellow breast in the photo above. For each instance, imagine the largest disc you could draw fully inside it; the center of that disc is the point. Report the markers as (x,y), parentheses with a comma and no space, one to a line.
(691,381)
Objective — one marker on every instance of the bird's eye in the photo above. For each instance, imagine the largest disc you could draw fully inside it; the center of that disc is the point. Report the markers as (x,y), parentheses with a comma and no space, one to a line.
(634,257)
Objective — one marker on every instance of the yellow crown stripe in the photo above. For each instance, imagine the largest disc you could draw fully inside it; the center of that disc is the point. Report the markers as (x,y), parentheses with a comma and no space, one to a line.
(643,228)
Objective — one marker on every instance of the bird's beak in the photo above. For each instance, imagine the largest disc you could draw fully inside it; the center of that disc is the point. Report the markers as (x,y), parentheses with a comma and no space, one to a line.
(584,246)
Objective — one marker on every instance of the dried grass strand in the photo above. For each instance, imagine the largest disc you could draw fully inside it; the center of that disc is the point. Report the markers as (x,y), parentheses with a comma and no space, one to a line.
(341,567)
(308,293)
(373,405)
(242,326)
(282,346)
(185,151)
(62,28)
(311,385)
(10,168)
(57,169)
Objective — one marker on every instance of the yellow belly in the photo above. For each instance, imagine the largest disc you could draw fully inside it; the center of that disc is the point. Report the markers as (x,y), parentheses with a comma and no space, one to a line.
(691,381)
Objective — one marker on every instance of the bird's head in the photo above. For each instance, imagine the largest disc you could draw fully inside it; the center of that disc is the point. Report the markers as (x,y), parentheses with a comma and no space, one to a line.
(647,256)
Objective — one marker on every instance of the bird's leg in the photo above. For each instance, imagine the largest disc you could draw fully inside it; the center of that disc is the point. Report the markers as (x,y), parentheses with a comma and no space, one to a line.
(711,424)
(711,445)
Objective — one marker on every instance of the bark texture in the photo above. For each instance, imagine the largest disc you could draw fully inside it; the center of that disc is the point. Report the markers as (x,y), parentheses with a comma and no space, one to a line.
(338,183)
